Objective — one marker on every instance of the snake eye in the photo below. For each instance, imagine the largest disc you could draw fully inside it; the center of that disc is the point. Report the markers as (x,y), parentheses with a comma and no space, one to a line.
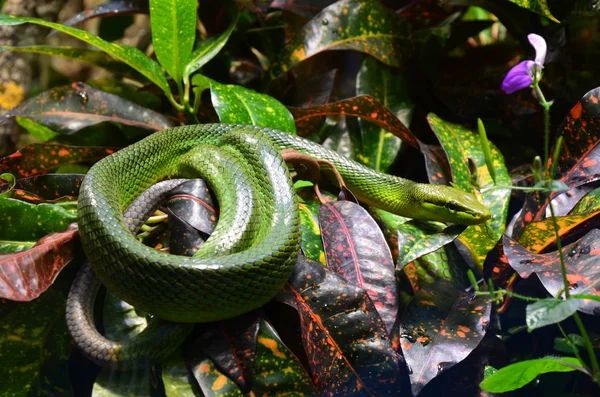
(452,206)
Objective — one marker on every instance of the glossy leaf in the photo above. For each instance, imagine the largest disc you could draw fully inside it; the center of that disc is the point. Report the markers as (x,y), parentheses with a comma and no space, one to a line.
(231,345)
(35,346)
(129,55)
(376,147)
(580,262)
(211,381)
(519,374)
(207,49)
(537,6)
(439,328)
(588,203)
(365,107)
(240,105)
(461,144)
(176,377)
(546,312)
(540,236)
(90,57)
(109,9)
(72,107)
(173,33)
(45,188)
(360,25)
(357,251)
(277,370)
(39,159)
(343,336)
(37,130)
(27,274)
(312,244)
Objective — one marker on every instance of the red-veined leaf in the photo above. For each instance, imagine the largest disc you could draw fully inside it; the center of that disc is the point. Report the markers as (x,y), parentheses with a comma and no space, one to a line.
(72,107)
(356,250)
(25,275)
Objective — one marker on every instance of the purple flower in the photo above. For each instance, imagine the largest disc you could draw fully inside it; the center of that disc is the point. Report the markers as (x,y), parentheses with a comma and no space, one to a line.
(527,72)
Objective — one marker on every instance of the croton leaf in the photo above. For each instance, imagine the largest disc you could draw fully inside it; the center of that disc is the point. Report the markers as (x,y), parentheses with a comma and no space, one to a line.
(356,250)
(344,338)
(35,345)
(109,9)
(90,57)
(581,263)
(376,147)
(461,144)
(360,25)
(537,6)
(127,54)
(231,345)
(72,107)
(239,105)
(439,328)
(365,107)
(49,188)
(312,243)
(27,274)
(36,159)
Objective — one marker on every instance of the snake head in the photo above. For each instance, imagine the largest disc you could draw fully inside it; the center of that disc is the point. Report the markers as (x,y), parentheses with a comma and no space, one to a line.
(447,204)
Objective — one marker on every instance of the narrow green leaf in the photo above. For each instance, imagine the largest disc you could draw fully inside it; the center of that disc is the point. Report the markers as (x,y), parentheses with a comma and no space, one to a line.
(546,312)
(537,6)
(208,48)
(238,105)
(173,33)
(129,55)
(518,375)
(37,130)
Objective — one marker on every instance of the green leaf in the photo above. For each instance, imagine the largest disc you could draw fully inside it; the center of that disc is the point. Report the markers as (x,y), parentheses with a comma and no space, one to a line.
(518,375)
(546,312)
(377,148)
(208,48)
(84,55)
(37,130)
(127,54)
(34,345)
(361,25)
(311,243)
(460,145)
(29,222)
(537,6)
(173,33)
(238,105)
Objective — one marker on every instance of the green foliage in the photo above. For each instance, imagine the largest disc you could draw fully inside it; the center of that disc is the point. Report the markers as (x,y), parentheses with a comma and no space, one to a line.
(385,87)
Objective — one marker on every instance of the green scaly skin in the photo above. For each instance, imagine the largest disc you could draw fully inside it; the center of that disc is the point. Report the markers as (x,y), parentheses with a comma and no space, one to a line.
(254,248)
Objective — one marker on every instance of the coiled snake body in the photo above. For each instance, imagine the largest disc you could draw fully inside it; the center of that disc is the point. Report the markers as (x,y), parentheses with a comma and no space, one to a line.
(252,251)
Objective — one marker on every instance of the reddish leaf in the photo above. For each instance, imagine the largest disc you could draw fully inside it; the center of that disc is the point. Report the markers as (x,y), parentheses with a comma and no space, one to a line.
(109,9)
(72,107)
(440,327)
(47,188)
(580,127)
(356,250)
(39,159)
(364,106)
(346,343)
(582,262)
(231,345)
(25,275)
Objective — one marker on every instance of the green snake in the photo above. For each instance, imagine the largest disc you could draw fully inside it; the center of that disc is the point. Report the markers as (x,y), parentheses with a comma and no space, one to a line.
(253,249)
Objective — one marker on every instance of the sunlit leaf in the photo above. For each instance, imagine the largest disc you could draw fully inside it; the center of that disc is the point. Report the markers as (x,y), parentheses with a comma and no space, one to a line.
(546,312)
(537,6)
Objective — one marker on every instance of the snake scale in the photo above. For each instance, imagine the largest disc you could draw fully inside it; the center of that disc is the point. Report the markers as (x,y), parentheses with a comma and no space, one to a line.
(253,249)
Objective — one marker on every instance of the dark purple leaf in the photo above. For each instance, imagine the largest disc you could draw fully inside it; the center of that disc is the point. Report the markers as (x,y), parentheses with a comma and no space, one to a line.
(439,329)
(110,9)
(46,188)
(356,250)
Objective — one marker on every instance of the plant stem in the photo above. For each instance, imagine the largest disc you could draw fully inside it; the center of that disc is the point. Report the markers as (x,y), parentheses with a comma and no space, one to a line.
(546,105)
(588,345)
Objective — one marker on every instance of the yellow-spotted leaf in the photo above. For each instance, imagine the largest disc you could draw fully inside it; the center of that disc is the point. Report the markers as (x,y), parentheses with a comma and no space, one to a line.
(360,25)
(537,6)
(461,146)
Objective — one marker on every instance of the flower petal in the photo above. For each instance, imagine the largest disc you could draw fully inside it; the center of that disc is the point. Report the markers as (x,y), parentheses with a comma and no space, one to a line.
(518,77)
(539,44)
